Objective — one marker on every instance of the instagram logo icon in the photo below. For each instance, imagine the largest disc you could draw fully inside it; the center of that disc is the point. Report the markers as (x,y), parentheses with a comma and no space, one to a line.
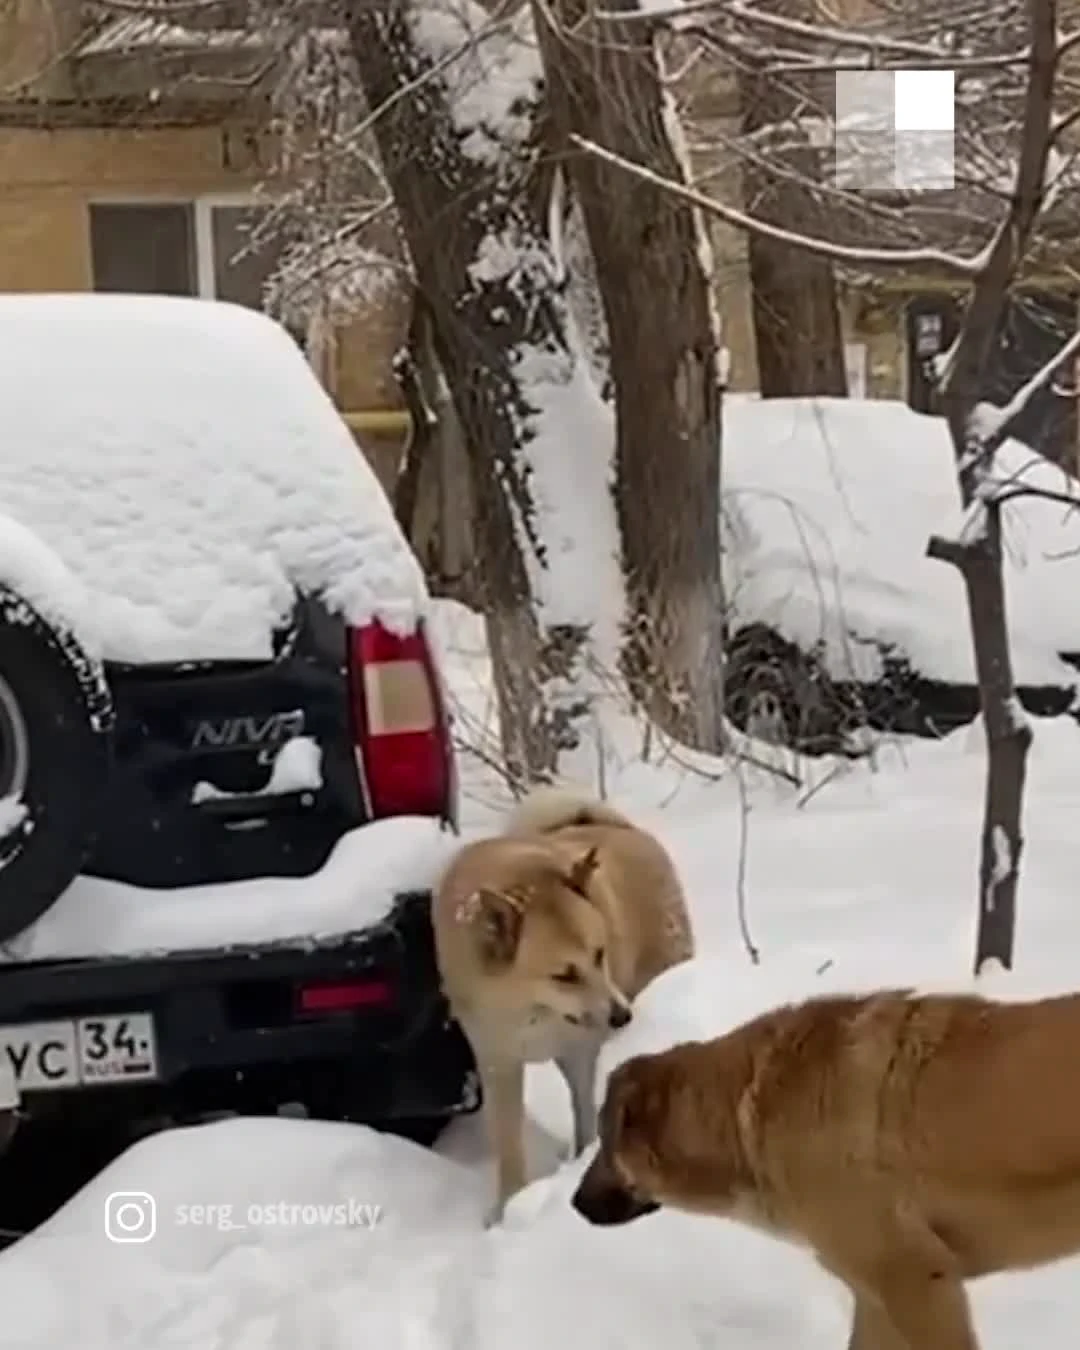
(130,1216)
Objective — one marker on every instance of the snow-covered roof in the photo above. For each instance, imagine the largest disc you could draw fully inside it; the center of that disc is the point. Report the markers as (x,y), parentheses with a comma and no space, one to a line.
(144,32)
(186,467)
(830,503)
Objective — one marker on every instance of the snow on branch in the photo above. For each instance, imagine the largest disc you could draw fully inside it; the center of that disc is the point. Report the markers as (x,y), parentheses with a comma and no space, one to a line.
(881,49)
(496,72)
(986,46)
(995,425)
(931,258)
(754,16)
(161,9)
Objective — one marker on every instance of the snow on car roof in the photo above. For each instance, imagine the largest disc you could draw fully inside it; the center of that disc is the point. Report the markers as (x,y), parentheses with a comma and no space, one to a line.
(829,505)
(181,459)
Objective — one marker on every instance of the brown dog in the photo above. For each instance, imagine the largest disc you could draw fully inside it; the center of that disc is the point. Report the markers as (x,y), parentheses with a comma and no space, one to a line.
(544,935)
(912,1143)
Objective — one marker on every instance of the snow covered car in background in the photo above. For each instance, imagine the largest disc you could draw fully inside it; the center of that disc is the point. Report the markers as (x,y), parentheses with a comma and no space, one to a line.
(226,774)
(837,619)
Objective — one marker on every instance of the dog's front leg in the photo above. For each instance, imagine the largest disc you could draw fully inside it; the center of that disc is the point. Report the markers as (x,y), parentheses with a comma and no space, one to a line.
(930,1309)
(872,1328)
(503,1083)
(578,1066)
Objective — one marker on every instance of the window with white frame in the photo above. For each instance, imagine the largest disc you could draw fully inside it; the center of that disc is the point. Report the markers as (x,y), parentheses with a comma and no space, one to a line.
(196,248)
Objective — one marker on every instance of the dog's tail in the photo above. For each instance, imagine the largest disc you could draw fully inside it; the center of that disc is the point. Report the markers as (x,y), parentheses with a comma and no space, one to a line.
(545,809)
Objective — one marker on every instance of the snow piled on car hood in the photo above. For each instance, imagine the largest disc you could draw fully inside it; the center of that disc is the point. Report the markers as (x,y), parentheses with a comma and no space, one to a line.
(828,507)
(181,460)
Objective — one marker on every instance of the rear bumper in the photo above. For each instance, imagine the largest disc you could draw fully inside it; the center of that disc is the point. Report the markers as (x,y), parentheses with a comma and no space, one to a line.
(230,1035)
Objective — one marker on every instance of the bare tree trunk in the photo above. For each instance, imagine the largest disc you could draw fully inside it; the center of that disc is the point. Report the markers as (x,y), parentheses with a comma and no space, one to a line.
(1008,737)
(800,345)
(481,256)
(978,552)
(416,454)
(606,86)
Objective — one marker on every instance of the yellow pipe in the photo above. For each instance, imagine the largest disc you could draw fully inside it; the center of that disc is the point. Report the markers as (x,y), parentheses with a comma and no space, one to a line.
(378,419)
(929,285)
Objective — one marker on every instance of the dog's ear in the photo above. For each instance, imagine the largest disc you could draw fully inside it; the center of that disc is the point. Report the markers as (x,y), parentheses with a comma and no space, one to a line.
(581,872)
(498,919)
(626,1117)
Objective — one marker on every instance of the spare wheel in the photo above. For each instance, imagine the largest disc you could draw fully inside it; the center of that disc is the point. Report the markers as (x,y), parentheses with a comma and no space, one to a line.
(55,751)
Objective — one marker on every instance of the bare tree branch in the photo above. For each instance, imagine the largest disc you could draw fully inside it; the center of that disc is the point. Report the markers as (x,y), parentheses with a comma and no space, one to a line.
(999,426)
(936,259)
(164,10)
(733,9)
(961,381)
(1041,494)
(822,34)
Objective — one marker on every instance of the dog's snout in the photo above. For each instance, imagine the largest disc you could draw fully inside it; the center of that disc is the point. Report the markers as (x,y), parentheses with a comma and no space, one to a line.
(609,1205)
(619,1016)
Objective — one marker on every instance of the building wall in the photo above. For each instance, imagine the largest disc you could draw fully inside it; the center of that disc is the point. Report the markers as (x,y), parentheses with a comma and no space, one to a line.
(48,178)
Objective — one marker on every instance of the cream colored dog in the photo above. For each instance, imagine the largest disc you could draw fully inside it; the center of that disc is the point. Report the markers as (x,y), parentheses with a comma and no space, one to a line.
(544,936)
(912,1143)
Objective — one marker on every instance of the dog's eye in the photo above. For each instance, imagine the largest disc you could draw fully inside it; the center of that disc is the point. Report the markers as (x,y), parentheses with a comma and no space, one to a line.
(568,975)
(598,959)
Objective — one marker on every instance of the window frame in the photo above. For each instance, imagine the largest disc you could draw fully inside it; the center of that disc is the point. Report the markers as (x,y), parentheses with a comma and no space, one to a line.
(202,209)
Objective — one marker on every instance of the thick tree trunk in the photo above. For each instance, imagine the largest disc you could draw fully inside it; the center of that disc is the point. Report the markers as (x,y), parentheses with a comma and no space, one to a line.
(646,248)
(481,254)
(800,346)
(583,295)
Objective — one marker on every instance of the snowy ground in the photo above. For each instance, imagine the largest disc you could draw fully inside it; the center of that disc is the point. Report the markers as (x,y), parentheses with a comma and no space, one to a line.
(331,1236)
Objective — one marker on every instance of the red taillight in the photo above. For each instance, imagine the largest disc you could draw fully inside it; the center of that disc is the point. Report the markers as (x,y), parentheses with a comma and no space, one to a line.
(344,997)
(399,724)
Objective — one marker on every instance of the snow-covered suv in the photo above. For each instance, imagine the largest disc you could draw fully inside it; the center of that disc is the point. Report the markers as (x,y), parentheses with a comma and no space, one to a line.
(225,765)
(838,619)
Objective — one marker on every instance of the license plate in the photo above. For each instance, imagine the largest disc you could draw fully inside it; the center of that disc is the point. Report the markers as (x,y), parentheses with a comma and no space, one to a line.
(83,1052)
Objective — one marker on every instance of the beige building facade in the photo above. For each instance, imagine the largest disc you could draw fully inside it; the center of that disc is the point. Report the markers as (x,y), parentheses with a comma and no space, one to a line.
(105,186)
(128,161)
(162,208)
